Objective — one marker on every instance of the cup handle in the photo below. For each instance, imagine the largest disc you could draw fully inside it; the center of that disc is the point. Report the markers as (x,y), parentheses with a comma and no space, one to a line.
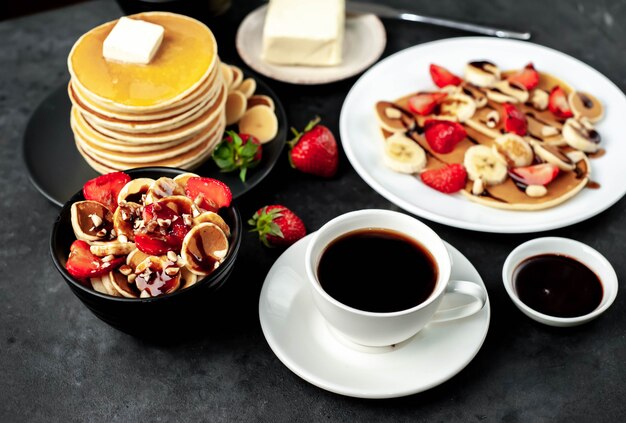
(466,288)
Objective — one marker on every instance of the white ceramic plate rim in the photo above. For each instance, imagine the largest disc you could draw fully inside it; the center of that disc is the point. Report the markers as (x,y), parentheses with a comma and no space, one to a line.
(456,210)
(420,385)
(308,75)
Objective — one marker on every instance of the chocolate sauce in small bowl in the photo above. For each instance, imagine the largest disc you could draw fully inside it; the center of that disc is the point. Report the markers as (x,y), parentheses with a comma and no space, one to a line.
(557,285)
(559,281)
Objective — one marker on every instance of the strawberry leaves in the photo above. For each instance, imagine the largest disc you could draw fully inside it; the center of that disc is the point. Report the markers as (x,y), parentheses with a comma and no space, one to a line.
(238,152)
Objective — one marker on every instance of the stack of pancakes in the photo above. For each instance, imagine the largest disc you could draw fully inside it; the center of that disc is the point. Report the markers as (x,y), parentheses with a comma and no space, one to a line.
(170,112)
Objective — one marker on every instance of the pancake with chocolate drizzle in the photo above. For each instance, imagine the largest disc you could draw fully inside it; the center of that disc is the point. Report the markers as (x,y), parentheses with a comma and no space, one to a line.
(484,126)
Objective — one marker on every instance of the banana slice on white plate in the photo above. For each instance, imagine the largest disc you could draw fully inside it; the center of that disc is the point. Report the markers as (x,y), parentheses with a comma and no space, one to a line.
(482,73)
(486,164)
(581,135)
(402,154)
(553,156)
(515,148)
(459,107)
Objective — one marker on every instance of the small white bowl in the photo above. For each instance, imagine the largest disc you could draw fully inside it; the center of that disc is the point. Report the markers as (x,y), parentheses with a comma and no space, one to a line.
(568,247)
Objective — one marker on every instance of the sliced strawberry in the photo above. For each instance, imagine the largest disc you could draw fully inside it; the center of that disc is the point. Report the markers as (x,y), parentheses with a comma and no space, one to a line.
(151,244)
(528,77)
(443,135)
(514,120)
(105,188)
(540,174)
(443,77)
(447,179)
(424,103)
(163,230)
(213,194)
(558,104)
(82,264)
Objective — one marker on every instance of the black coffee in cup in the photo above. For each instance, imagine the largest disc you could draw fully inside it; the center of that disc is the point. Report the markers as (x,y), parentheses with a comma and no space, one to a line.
(377,270)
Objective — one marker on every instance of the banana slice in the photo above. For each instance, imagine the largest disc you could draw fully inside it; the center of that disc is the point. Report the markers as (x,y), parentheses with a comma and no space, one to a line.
(482,73)
(134,189)
(459,107)
(552,155)
(482,162)
(247,87)
(260,99)
(204,248)
(515,148)
(214,218)
(237,77)
(111,248)
(236,105)
(585,105)
(260,122)
(403,155)
(579,134)
(91,221)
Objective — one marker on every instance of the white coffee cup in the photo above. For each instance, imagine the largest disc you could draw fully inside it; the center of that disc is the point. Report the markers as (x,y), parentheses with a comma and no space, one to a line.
(376,329)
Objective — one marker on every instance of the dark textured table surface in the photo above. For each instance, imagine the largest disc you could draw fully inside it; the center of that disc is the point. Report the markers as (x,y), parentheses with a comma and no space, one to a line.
(60,363)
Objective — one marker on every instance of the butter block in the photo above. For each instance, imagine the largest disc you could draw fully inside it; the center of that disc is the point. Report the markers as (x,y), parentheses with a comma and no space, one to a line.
(304,32)
(133,41)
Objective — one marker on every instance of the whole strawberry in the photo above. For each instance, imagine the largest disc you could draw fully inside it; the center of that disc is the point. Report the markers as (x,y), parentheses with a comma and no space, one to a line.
(238,152)
(277,226)
(315,150)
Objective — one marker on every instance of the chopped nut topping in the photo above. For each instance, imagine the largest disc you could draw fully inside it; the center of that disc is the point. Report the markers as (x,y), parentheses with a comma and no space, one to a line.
(97,220)
(172,256)
(171,271)
(102,233)
(493,117)
(122,238)
(132,277)
(164,223)
(108,258)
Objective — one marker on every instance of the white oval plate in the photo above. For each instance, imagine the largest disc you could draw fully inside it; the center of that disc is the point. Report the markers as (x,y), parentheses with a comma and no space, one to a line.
(407,71)
(364,42)
(300,338)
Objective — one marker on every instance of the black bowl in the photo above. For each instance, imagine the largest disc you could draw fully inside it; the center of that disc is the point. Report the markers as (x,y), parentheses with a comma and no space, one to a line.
(165,317)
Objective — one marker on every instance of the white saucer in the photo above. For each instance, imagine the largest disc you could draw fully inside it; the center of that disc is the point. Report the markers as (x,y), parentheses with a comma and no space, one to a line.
(364,42)
(300,338)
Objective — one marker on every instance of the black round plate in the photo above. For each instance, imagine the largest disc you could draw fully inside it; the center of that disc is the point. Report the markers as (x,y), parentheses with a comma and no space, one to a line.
(57,169)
